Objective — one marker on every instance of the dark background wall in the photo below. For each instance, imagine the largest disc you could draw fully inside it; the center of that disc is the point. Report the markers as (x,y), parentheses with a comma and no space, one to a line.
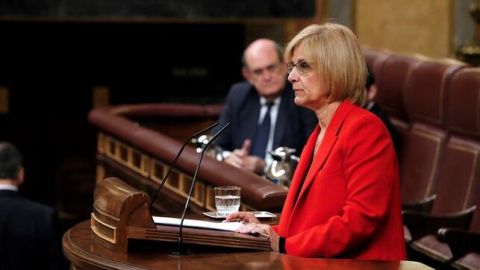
(50,69)
(160,9)
(54,53)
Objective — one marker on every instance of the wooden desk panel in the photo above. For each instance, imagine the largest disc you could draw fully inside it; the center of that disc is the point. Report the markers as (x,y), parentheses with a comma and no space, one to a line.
(80,249)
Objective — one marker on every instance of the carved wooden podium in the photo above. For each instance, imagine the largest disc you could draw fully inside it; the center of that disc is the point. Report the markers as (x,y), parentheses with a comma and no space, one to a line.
(117,207)
(120,212)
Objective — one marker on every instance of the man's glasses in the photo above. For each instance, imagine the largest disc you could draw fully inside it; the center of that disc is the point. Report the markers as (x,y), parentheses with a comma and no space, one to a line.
(303,67)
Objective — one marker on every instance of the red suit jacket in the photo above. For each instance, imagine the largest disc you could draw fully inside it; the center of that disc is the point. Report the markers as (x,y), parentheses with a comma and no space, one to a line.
(349,203)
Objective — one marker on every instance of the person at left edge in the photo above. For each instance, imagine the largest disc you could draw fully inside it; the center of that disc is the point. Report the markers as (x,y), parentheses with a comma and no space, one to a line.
(30,234)
(265,81)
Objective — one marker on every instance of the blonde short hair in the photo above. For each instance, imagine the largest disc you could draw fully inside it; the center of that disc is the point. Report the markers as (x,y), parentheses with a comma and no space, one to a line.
(334,52)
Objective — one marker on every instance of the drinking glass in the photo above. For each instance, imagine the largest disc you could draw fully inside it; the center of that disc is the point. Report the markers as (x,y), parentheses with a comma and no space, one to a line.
(227,199)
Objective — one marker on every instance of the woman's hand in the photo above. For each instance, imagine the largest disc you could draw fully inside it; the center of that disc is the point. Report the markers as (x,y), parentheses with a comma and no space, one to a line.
(245,217)
(251,225)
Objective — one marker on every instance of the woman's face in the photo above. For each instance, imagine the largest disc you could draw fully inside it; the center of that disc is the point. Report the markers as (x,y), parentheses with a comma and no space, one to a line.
(310,91)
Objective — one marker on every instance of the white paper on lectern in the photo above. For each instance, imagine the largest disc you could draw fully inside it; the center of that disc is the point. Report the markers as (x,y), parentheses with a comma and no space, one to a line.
(227,226)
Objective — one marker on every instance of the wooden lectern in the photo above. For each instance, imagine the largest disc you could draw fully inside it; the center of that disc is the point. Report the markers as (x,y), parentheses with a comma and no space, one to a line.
(116,208)
(121,212)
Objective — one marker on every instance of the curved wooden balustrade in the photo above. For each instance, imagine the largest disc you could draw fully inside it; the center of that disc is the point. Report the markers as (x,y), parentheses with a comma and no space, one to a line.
(137,143)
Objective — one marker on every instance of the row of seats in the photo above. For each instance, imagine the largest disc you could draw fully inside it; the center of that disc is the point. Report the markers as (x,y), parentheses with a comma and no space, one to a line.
(435,106)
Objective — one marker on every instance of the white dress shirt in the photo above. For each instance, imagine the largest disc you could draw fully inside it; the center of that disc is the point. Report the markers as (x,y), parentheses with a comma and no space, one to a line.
(8,187)
(273,117)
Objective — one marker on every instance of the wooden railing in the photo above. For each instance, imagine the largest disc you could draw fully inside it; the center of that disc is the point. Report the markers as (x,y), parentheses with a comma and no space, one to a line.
(135,145)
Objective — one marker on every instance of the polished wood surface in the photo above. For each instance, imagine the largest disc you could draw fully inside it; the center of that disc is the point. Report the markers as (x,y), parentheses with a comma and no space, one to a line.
(121,213)
(117,207)
(81,250)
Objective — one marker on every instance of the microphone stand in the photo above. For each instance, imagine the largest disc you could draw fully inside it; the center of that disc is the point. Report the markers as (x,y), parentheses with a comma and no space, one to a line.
(175,160)
(180,250)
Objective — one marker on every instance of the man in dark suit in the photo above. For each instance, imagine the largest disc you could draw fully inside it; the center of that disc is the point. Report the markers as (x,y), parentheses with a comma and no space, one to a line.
(29,237)
(265,94)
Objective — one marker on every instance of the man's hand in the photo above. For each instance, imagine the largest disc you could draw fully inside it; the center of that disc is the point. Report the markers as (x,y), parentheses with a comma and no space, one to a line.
(237,157)
(254,164)
(240,159)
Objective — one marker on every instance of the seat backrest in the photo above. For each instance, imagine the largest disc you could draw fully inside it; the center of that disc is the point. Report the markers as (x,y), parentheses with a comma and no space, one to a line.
(459,179)
(425,103)
(375,58)
(420,164)
(392,76)
(391,82)
(426,92)
(459,182)
(464,103)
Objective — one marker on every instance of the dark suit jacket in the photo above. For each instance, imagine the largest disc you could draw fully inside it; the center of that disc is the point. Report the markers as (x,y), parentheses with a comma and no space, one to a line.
(345,201)
(29,236)
(242,109)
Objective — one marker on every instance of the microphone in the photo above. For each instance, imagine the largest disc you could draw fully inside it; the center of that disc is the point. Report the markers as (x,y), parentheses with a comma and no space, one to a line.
(176,158)
(180,250)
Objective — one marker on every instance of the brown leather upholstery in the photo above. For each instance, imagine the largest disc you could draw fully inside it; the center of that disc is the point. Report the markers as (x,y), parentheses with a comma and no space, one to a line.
(375,59)
(463,245)
(421,163)
(426,92)
(177,121)
(459,179)
(464,103)
(392,75)
(470,261)
(457,192)
(472,258)
(425,102)
(168,110)
(392,79)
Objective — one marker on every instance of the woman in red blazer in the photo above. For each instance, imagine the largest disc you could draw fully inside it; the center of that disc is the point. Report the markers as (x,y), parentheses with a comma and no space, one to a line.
(344,198)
